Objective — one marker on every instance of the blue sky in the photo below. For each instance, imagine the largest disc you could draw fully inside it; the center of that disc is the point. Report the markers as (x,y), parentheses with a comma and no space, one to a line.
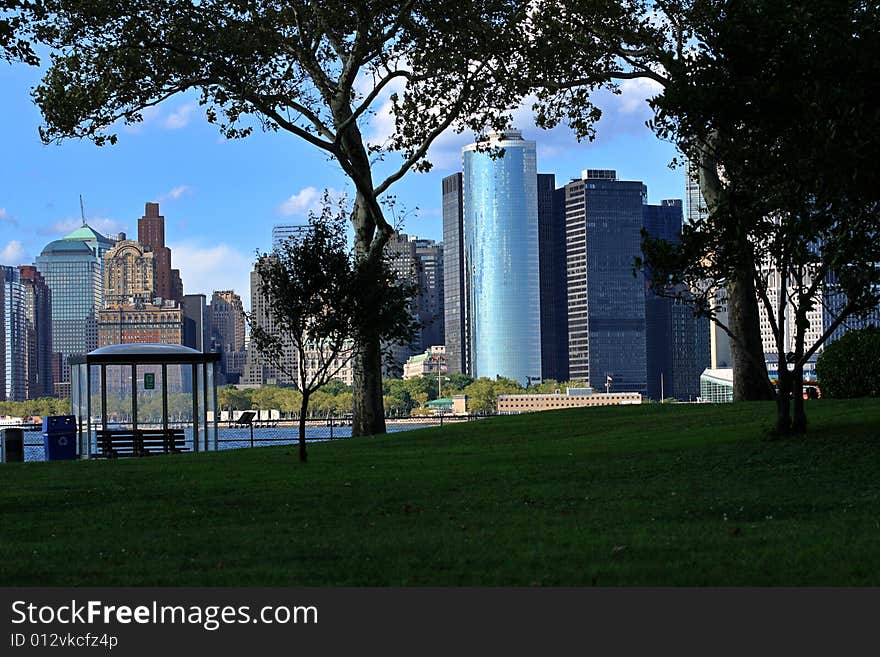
(221,198)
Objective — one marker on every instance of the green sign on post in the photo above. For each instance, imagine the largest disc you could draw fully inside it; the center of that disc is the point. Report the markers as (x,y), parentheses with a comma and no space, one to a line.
(149,381)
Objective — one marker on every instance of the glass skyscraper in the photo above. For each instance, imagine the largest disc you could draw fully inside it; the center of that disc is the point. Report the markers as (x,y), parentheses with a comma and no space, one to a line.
(13,336)
(500,203)
(606,303)
(455,297)
(73,268)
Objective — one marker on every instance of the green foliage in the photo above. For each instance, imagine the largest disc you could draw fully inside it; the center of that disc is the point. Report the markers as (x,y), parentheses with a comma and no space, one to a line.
(850,367)
(483,393)
(36,407)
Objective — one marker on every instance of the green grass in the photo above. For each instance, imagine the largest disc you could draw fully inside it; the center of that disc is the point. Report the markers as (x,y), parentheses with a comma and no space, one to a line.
(650,495)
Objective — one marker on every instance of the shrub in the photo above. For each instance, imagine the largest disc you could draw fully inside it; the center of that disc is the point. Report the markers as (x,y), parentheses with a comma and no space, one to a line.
(850,366)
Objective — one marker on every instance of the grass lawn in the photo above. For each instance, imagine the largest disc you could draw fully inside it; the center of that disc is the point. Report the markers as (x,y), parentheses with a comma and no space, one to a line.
(650,495)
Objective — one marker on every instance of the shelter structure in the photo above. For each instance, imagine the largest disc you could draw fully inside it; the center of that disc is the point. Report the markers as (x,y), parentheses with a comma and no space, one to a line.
(145,389)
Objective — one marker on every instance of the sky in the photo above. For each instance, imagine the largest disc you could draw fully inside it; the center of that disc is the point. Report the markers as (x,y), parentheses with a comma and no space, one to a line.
(220,198)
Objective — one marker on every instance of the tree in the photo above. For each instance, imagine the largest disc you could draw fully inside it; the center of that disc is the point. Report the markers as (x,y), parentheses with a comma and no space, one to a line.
(573,54)
(483,393)
(315,295)
(13,47)
(796,140)
(850,366)
(317,70)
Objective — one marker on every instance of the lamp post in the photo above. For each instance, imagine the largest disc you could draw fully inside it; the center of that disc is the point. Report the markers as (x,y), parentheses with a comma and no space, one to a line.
(440,359)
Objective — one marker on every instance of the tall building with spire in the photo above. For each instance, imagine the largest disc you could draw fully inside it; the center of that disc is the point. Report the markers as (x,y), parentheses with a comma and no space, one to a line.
(73,268)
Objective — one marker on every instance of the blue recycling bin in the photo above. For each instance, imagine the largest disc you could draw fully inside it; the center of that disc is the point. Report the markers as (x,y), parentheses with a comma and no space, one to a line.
(59,437)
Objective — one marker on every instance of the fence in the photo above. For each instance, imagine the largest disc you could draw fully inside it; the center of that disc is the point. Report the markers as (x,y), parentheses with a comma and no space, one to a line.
(263,433)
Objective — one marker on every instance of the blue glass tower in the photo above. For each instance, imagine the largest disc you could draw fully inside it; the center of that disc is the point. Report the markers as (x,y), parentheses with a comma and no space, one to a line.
(73,268)
(500,203)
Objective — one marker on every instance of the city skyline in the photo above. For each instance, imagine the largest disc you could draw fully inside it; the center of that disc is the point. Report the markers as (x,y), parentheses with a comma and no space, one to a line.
(205,185)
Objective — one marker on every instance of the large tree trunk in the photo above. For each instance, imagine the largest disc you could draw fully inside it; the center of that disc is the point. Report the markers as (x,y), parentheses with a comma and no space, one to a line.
(750,380)
(369,407)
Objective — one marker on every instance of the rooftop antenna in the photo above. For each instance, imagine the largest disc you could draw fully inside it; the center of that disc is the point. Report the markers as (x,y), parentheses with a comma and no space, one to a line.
(82,212)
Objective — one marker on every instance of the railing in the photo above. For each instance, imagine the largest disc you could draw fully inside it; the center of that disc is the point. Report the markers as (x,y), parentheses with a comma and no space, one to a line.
(231,435)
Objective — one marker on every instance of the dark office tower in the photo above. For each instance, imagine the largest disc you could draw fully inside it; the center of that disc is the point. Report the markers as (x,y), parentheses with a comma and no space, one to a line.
(196,325)
(455,293)
(228,332)
(151,234)
(429,256)
(13,336)
(677,341)
(38,318)
(551,255)
(606,303)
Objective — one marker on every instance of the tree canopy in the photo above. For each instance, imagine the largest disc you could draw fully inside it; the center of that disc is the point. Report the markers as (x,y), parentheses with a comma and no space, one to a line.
(775,93)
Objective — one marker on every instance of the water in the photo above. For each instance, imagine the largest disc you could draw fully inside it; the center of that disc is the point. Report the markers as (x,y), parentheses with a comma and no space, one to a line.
(240,437)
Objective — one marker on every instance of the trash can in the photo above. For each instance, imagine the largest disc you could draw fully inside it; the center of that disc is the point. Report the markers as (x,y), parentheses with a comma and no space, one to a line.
(13,445)
(59,437)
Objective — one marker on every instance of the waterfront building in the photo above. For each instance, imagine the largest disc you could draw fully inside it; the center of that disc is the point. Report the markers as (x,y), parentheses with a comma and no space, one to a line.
(73,269)
(677,342)
(554,283)
(572,398)
(431,362)
(196,323)
(129,274)
(151,235)
(259,369)
(144,323)
(38,319)
(13,336)
(606,302)
(455,295)
(401,253)
(500,208)
(429,260)
(228,331)
(697,211)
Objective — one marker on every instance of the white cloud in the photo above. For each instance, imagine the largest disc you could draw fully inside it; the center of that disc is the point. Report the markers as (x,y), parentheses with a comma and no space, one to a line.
(174,194)
(7,218)
(179,118)
(306,200)
(216,267)
(11,254)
